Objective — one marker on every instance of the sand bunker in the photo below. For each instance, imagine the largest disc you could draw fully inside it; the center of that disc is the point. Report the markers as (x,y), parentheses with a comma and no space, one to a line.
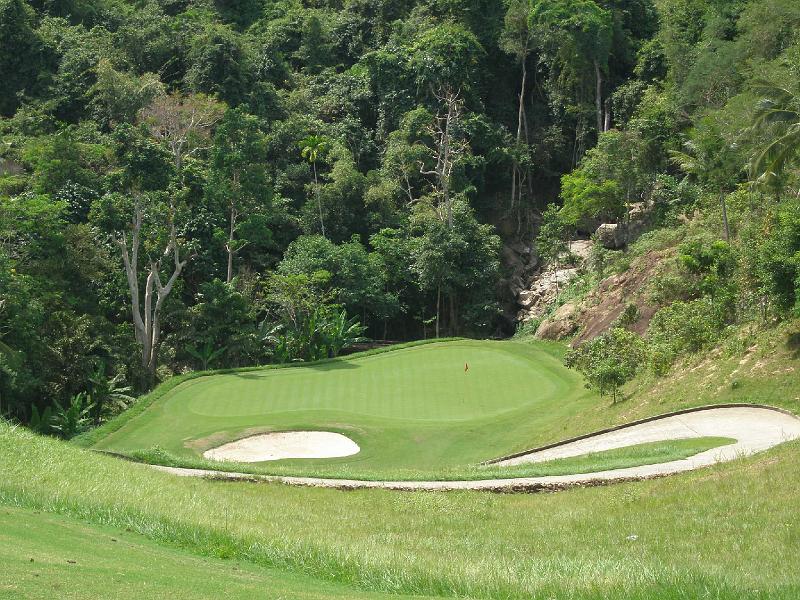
(756,428)
(285,444)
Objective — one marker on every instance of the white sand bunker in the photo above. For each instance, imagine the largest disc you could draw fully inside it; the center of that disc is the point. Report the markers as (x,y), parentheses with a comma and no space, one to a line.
(285,444)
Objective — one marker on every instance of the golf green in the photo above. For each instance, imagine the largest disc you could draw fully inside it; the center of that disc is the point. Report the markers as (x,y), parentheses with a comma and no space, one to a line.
(424,407)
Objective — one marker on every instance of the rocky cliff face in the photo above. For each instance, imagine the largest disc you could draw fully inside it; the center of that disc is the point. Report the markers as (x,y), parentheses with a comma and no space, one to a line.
(536,287)
(542,288)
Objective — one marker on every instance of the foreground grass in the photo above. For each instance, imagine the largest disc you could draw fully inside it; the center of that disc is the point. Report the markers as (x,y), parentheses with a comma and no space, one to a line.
(619,458)
(414,408)
(47,556)
(730,531)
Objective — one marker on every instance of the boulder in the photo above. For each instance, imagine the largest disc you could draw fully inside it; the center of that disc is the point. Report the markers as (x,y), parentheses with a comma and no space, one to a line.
(581,248)
(560,324)
(527,298)
(611,235)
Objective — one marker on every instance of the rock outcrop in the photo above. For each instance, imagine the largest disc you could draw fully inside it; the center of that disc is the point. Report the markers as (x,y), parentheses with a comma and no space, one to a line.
(618,235)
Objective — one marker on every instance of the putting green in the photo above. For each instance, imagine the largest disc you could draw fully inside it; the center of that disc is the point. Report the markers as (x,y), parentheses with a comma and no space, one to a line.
(415,408)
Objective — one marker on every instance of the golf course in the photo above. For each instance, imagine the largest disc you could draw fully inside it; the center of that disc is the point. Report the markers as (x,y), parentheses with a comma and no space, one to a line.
(428,412)
(425,408)
(388,299)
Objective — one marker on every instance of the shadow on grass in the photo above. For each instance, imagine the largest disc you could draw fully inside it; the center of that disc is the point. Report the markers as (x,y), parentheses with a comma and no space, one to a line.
(793,343)
(326,365)
(335,363)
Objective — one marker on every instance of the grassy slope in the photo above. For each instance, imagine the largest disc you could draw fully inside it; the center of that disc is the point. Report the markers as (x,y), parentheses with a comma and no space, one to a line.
(411,408)
(751,366)
(47,556)
(730,531)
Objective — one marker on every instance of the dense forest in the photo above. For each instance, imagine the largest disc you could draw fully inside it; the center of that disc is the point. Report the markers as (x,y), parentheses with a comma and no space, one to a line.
(194,184)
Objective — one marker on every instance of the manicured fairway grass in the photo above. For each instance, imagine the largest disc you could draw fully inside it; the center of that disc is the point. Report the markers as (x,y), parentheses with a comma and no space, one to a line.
(47,556)
(413,408)
(725,532)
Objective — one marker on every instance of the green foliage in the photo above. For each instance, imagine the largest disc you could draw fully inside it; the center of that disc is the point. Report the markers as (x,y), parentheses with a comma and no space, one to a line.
(219,64)
(116,97)
(445,56)
(683,328)
(303,323)
(778,115)
(20,53)
(610,177)
(107,396)
(72,420)
(551,243)
(583,197)
(713,262)
(206,355)
(778,259)
(609,361)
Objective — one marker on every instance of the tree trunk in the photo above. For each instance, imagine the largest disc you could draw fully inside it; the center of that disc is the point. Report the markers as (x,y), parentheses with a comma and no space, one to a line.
(438,307)
(445,163)
(319,200)
(229,245)
(520,119)
(146,324)
(598,98)
(725,216)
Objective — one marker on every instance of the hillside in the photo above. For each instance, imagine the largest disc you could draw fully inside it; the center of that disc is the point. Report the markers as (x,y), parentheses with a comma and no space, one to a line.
(282,180)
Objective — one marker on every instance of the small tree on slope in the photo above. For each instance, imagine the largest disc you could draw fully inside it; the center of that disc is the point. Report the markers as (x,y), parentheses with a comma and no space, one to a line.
(609,361)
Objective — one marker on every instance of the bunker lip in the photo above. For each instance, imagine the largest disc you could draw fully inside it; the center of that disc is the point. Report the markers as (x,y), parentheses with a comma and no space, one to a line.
(284,444)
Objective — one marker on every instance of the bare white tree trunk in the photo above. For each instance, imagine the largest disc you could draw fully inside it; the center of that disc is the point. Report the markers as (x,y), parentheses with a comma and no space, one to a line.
(229,247)
(448,149)
(517,177)
(598,96)
(146,323)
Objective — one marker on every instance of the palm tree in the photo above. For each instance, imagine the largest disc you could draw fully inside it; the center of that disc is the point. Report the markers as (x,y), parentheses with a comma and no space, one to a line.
(311,148)
(707,160)
(778,115)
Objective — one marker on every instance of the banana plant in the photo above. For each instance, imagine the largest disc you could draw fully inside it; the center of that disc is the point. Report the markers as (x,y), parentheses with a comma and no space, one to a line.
(108,396)
(75,418)
(206,354)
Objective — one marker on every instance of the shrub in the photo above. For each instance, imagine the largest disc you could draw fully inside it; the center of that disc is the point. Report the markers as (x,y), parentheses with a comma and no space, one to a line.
(629,316)
(609,361)
(683,327)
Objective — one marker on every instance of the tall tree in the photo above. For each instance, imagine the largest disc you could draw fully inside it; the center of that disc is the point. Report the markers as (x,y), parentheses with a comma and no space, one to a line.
(777,117)
(142,220)
(312,148)
(517,40)
(712,160)
(575,42)
(238,177)
(449,146)
(183,123)
(20,53)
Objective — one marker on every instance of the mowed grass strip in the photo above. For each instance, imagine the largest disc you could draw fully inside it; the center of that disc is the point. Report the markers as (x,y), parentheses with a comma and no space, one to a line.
(425,408)
(618,458)
(725,532)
